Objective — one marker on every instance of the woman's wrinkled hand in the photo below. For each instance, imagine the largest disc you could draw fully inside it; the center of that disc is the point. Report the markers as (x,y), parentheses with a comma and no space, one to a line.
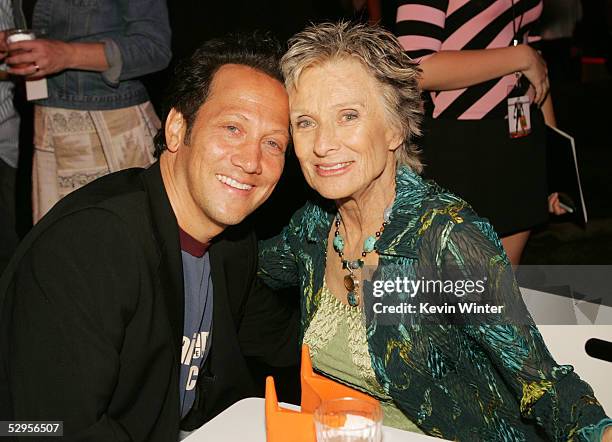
(536,72)
(37,58)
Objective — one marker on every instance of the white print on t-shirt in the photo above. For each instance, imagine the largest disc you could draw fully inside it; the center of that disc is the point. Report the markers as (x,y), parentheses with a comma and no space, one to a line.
(193,349)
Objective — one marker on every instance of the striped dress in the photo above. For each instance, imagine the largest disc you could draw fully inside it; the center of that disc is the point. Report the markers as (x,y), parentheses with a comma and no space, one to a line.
(427,26)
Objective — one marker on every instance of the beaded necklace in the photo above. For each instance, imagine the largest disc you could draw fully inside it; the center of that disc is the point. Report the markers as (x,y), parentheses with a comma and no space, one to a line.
(351,282)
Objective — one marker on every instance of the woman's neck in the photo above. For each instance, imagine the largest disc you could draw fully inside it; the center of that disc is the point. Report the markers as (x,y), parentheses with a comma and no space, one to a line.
(362,214)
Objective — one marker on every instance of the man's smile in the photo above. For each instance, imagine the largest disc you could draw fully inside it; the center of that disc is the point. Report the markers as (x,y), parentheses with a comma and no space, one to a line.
(233,183)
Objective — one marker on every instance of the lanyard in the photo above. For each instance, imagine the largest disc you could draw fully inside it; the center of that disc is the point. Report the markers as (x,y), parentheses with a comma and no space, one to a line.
(515,28)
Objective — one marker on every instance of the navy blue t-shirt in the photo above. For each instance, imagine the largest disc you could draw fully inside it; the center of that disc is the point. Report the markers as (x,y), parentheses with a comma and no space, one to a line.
(197,326)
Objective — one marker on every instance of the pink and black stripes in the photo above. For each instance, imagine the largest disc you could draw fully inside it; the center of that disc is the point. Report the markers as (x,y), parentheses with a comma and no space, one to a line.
(424,27)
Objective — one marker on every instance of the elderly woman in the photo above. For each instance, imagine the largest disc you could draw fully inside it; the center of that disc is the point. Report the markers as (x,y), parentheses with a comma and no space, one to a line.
(354,108)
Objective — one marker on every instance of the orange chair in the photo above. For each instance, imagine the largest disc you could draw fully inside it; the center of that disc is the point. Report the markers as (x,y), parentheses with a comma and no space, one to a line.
(283,425)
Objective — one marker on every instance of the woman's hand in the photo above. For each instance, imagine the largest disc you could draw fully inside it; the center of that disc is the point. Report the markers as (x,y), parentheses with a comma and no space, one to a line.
(554,205)
(38,58)
(607,435)
(536,72)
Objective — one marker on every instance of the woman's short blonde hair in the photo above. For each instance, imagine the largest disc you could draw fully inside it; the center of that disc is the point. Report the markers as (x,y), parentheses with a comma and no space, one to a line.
(382,55)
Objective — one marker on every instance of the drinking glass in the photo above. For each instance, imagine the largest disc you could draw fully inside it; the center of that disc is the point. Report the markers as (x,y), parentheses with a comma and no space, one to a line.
(348,420)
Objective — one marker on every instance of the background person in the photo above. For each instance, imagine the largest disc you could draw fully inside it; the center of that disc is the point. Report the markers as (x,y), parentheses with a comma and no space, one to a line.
(355,107)
(470,62)
(9,144)
(98,118)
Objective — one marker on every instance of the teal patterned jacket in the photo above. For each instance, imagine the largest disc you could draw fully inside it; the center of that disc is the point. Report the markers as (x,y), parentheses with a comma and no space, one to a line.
(489,379)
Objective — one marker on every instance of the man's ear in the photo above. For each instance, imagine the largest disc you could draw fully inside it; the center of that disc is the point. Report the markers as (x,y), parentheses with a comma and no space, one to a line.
(175,130)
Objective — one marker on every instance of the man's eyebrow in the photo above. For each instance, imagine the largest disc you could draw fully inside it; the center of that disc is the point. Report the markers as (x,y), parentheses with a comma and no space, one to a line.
(246,118)
(239,115)
(280,131)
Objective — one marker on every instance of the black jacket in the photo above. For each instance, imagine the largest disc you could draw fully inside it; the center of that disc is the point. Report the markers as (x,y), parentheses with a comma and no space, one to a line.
(91,311)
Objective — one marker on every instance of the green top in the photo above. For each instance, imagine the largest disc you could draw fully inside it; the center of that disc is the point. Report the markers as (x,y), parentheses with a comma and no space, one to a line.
(458,376)
(336,328)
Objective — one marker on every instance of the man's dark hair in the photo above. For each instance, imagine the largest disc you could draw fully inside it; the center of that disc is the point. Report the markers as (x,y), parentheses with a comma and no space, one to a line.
(190,86)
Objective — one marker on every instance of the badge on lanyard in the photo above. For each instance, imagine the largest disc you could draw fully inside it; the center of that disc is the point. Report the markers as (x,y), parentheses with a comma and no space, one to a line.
(519,119)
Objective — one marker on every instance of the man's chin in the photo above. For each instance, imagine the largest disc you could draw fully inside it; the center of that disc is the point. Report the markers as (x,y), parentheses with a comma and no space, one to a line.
(232,215)
(229,222)
(228,219)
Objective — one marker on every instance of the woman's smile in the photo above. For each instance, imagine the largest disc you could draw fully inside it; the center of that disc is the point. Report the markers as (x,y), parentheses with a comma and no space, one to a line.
(333,169)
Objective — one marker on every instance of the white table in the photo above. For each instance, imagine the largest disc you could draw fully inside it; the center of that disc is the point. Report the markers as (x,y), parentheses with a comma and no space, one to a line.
(566,342)
(245,421)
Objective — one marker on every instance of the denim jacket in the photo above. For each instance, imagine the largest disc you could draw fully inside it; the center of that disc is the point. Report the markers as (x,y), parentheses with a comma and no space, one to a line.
(136,35)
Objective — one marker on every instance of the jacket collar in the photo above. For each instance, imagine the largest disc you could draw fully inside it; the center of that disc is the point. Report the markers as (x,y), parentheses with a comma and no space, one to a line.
(400,236)
(166,233)
(170,269)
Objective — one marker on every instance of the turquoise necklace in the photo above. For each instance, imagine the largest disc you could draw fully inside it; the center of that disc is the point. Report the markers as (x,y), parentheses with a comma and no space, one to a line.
(351,282)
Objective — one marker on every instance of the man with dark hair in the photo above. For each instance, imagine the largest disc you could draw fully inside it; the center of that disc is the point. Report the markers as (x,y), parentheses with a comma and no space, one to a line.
(129,310)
